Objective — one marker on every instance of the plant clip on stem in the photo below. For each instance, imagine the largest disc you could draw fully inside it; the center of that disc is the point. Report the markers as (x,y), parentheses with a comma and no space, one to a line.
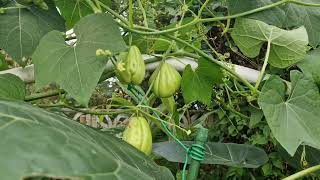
(196,151)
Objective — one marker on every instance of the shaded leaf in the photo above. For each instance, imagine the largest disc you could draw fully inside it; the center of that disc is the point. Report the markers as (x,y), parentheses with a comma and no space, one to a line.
(255,117)
(273,16)
(287,47)
(12,87)
(292,120)
(74,10)
(312,157)
(21,29)
(197,85)
(237,155)
(288,15)
(310,65)
(3,62)
(77,69)
(36,142)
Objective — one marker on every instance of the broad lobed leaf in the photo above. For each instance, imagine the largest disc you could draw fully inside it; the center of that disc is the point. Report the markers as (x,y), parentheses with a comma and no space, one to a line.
(76,68)
(197,85)
(287,46)
(74,10)
(21,29)
(310,65)
(286,16)
(38,143)
(293,120)
(12,87)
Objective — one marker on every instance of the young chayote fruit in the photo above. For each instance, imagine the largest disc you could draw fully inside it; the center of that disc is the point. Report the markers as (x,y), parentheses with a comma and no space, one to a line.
(138,134)
(165,81)
(131,67)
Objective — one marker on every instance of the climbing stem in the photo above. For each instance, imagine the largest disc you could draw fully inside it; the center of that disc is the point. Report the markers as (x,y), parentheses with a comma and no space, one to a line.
(199,20)
(304,3)
(303,173)
(265,63)
(37,96)
(93,6)
(115,14)
(226,28)
(131,13)
(88,111)
(208,57)
(98,4)
(145,20)
(204,5)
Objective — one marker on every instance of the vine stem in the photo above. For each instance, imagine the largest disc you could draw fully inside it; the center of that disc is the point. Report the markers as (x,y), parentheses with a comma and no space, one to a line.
(303,173)
(204,5)
(131,13)
(206,56)
(145,20)
(203,54)
(86,111)
(93,6)
(199,20)
(44,95)
(17,7)
(304,3)
(265,64)
(97,4)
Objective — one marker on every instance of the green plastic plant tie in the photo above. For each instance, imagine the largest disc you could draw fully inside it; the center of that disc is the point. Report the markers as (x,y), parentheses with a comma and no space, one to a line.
(196,151)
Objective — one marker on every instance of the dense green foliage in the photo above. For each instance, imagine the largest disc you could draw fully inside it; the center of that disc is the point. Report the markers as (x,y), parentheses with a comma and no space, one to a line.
(247,71)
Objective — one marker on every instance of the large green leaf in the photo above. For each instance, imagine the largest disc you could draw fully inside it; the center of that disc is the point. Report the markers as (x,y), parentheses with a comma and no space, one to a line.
(311,157)
(274,16)
(35,142)
(77,69)
(74,10)
(285,16)
(238,155)
(12,87)
(21,29)
(310,65)
(287,47)
(197,85)
(293,120)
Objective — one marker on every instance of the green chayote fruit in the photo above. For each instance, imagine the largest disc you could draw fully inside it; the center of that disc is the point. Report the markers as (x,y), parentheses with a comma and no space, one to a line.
(165,81)
(131,67)
(138,134)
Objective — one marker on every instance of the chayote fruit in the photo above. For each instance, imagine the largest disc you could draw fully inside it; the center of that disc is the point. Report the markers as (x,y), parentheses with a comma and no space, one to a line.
(131,67)
(138,134)
(165,81)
